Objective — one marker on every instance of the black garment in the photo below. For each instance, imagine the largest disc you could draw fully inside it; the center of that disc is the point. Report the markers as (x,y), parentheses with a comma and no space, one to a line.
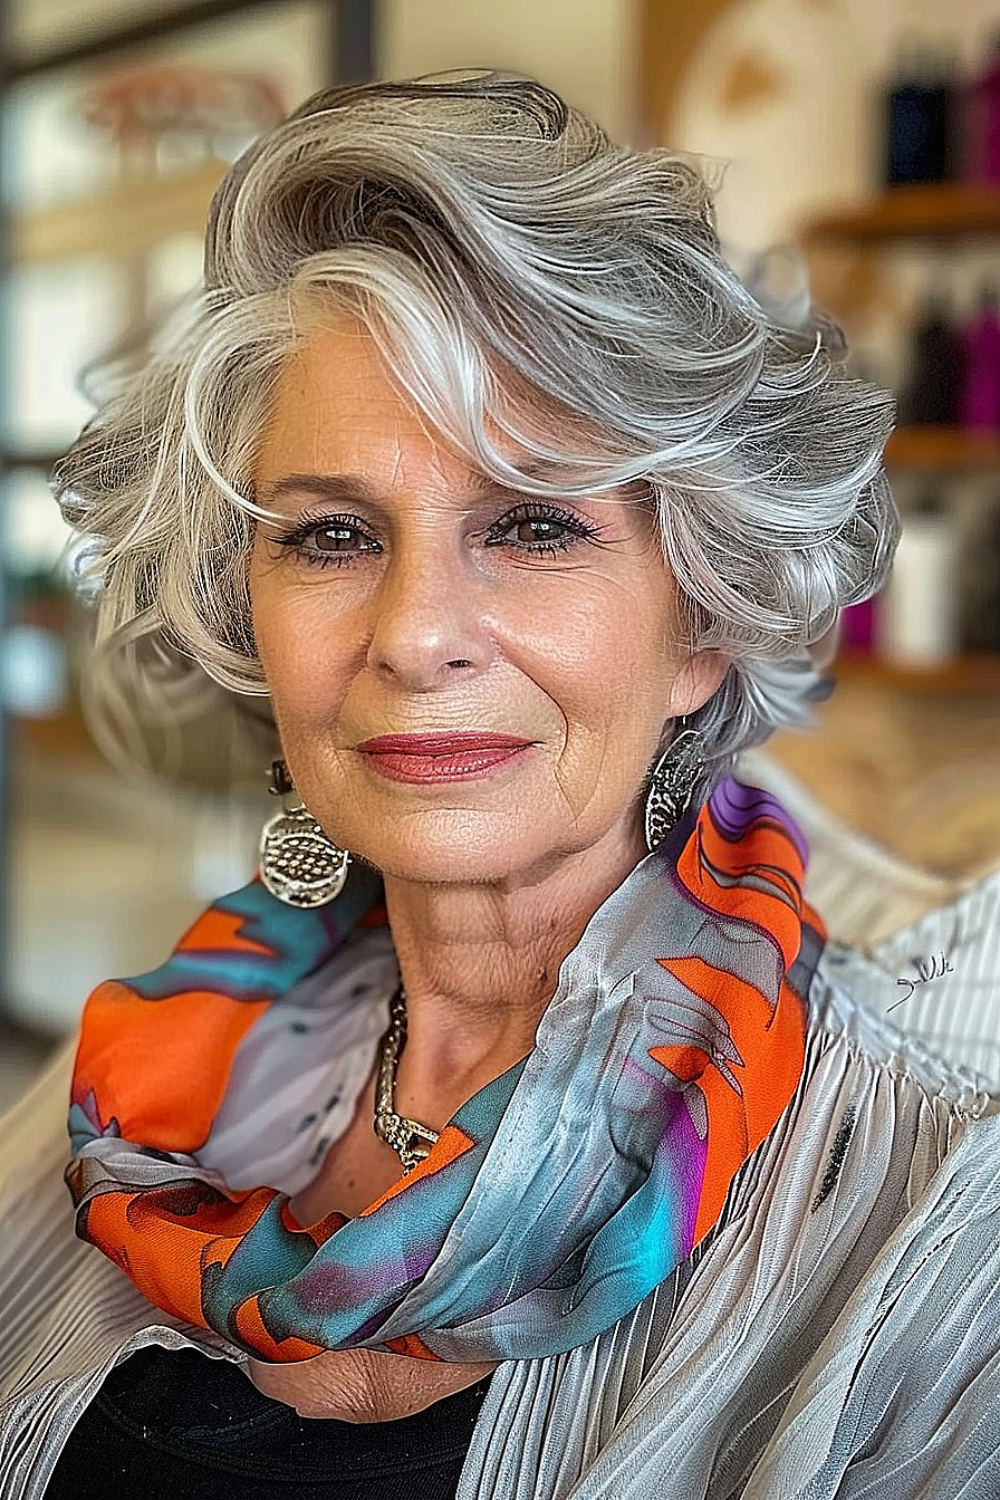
(175,1425)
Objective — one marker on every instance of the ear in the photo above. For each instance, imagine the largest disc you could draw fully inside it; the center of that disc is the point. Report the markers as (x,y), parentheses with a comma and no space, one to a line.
(700,676)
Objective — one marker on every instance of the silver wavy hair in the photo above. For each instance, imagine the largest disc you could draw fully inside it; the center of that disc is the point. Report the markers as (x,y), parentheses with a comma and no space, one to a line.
(495,242)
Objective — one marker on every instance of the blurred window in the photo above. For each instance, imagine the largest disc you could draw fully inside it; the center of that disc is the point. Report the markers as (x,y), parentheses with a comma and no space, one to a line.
(60,315)
(34,536)
(107,171)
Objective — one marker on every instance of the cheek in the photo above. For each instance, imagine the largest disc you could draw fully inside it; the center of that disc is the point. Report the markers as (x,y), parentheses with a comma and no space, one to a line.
(275,647)
(298,640)
(263,612)
(609,676)
(612,660)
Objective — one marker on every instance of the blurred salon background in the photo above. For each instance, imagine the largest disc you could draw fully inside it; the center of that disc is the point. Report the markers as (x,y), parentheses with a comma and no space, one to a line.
(860,136)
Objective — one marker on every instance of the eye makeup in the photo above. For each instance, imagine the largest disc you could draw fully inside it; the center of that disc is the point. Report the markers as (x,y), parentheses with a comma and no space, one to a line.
(532,528)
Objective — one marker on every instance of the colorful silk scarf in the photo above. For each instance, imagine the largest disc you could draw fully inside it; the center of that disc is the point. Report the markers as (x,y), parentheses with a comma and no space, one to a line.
(556,1199)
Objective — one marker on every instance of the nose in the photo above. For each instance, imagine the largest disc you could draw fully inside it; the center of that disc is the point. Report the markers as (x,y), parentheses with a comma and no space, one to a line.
(428,624)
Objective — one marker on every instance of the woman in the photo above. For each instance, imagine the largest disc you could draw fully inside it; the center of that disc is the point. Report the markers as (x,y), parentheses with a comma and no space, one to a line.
(513,1161)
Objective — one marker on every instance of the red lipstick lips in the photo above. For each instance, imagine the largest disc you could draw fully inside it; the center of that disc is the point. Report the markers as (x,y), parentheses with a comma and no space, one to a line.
(461,755)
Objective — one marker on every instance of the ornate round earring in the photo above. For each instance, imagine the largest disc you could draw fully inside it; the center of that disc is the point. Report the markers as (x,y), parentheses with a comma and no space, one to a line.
(672,783)
(298,863)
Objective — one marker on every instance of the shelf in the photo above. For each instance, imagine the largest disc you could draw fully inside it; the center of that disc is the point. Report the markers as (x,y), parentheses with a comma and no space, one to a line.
(950,448)
(932,210)
(976,673)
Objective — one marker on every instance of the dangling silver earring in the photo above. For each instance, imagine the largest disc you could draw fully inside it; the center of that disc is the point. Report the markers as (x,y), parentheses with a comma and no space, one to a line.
(672,784)
(298,863)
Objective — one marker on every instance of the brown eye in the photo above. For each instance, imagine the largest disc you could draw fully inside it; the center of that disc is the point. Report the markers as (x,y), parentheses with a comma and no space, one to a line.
(539,529)
(340,539)
(329,539)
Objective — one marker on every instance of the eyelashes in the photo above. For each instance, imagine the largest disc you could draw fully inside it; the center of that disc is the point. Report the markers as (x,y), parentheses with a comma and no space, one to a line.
(542,529)
(326,540)
(532,529)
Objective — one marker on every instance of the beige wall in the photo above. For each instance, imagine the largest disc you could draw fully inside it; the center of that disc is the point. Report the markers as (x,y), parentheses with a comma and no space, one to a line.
(784,92)
(583,48)
(36,25)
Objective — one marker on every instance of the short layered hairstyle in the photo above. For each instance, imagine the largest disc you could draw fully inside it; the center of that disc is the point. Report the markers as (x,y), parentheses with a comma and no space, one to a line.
(537,289)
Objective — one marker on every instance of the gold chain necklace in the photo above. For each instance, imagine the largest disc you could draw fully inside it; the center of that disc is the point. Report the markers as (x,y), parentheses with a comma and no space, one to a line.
(410,1140)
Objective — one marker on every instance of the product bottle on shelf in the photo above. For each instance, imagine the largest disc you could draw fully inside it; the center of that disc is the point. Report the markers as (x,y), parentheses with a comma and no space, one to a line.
(920,111)
(981,123)
(947,152)
(979,404)
(981,586)
(857,627)
(991,602)
(936,365)
(918,609)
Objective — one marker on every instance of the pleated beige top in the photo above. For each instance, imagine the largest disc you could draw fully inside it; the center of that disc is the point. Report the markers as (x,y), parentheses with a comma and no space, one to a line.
(837,1333)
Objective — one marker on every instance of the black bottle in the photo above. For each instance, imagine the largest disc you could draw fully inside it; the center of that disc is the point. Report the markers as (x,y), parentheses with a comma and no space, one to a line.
(981,596)
(933,388)
(920,119)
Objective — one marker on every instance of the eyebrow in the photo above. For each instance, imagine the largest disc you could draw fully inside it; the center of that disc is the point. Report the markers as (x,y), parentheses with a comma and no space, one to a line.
(337,487)
(344,488)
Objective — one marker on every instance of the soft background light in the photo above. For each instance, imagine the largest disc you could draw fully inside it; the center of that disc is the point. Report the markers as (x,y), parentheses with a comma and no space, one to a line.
(780,98)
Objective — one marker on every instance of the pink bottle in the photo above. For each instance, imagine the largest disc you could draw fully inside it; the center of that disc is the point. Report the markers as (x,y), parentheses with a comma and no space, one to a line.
(979,404)
(858,627)
(982,121)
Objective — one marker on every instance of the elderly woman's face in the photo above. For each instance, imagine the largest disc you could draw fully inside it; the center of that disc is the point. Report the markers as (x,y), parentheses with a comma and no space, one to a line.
(469,683)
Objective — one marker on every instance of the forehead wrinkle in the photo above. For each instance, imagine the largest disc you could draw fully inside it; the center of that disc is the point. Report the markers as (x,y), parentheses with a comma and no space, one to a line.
(348,488)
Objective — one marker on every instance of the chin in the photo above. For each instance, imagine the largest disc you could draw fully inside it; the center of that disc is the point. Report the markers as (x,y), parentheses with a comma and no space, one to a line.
(476,850)
(447,865)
